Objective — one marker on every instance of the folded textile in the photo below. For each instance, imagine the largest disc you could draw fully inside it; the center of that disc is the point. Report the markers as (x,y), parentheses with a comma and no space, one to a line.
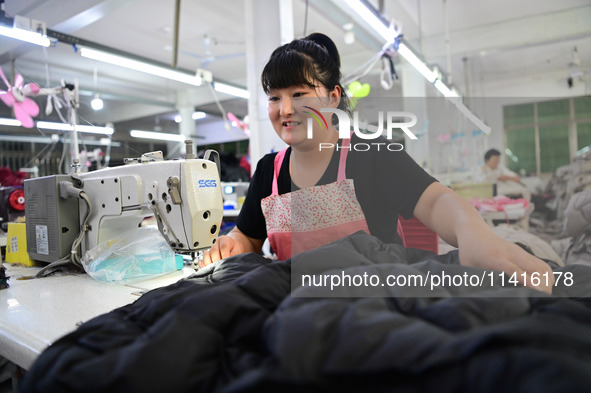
(245,325)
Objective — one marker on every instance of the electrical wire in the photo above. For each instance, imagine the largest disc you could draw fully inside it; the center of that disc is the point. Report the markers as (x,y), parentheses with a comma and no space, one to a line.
(385,54)
(52,266)
(48,147)
(58,103)
(78,241)
(363,69)
(66,142)
(306,19)
(219,105)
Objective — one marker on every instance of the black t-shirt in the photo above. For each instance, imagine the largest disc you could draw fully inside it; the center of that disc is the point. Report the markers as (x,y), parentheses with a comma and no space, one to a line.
(387,183)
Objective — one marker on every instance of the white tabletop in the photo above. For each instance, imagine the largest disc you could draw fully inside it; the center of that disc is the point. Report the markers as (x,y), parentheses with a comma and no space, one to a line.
(34,313)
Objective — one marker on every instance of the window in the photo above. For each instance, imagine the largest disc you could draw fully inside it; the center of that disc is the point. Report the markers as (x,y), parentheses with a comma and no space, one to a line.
(554,151)
(583,121)
(583,135)
(521,144)
(543,136)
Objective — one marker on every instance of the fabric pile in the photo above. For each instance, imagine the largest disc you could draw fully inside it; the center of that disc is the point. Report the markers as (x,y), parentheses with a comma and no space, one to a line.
(569,180)
(570,233)
(247,325)
(577,225)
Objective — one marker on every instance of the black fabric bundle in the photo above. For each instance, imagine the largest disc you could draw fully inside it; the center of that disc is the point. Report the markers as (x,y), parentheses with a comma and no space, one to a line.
(240,326)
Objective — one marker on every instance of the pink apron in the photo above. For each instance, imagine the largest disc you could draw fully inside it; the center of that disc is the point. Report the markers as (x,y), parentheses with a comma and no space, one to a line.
(312,217)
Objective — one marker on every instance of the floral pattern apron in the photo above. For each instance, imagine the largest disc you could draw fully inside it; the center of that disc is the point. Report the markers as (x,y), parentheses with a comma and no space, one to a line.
(312,217)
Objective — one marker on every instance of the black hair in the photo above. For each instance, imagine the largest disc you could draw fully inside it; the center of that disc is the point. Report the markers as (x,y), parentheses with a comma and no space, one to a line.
(303,61)
(490,153)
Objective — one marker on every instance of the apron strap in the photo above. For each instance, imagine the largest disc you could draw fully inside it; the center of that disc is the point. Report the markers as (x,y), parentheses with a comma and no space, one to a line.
(342,175)
(278,162)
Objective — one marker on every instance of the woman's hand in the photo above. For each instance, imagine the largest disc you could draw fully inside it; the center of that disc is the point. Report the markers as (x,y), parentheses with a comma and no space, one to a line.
(234,243)
(459,224)
(488,251)
(224,247)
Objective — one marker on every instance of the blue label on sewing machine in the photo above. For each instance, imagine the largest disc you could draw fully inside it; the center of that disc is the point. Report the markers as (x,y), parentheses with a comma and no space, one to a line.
(207,183)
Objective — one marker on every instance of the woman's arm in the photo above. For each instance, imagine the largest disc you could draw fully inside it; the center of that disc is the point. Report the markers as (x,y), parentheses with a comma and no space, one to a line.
(459,224)
(233,243)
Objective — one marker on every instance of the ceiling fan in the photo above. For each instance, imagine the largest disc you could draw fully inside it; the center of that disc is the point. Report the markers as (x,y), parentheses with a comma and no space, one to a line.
(207,56)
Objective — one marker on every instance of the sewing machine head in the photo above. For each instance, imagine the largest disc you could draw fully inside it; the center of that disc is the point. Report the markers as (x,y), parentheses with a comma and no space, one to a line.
(184,196)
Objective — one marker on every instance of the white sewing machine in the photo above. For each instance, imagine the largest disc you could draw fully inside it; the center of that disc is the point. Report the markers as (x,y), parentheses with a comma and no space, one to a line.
(183,195)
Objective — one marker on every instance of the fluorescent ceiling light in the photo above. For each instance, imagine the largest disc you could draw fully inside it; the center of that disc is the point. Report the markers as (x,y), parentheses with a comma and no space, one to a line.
(25,35)
(47,125)
(47,140)
(20,138)
(198,115)
(372,19)
(444,89)
(363,10)
(137,65)
(416,63)
(10,122)
(157,135)
(472,117)
(97,103)
(195,116)
(232,90)
(80,128)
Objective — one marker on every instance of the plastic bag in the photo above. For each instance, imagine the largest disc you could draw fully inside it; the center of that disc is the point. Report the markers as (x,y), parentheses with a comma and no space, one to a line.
(139,255)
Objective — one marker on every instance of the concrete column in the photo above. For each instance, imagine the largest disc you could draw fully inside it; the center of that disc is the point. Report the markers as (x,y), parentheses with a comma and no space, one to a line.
(269,23)
(414,92)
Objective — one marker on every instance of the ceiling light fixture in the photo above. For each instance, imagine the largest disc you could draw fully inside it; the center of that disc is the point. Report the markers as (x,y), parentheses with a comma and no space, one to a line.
(372,19)
(157,135)
(141,66)
(80,128)
(417,63)
(198,115)
(232,90)
(97,103)
(47,125)
(472,117)
(25,35)
(10,122)
(195,116)
(445,90)
(366,12)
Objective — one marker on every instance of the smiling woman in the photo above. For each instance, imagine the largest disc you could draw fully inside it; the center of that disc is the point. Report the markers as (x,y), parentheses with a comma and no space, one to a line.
(304,196)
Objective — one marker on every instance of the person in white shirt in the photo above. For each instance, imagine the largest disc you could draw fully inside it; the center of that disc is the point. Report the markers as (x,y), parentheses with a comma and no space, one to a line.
(508,182)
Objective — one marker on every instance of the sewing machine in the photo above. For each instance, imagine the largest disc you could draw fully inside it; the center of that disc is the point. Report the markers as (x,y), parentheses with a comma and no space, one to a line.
(183,195)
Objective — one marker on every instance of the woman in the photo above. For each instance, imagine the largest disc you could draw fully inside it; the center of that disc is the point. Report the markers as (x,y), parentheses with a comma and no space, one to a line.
(319,189)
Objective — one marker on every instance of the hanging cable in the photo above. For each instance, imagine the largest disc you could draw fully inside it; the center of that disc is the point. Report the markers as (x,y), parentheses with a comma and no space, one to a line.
(219,105)
(306,19)
(75,257)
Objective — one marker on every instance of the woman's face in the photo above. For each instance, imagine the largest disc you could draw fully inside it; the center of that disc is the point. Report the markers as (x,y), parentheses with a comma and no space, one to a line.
(287,112)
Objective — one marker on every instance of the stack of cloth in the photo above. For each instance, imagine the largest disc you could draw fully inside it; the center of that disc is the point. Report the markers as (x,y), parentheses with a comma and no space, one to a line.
(571,231)
(576,248)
